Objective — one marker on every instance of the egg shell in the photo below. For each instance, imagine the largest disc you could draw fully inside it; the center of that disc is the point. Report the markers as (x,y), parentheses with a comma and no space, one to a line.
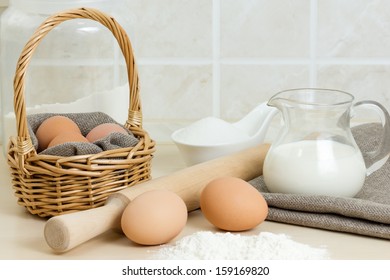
(53,126)
(66,137)
(103,130)
(154,217)
(232,204)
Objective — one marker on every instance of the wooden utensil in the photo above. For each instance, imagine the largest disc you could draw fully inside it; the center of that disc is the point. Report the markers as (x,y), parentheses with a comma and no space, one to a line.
(64,232)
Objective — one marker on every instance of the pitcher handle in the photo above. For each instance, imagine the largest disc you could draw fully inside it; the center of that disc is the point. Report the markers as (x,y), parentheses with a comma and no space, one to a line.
(379,156)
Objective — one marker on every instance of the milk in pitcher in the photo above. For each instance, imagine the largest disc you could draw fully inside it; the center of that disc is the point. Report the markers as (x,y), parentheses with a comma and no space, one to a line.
(321,167)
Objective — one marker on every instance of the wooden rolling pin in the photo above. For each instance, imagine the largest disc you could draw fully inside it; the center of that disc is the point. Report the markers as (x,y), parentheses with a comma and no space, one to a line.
(64,232)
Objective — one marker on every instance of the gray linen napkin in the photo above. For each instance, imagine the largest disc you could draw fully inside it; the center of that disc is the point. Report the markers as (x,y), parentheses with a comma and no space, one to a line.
(368,213)
(86,122)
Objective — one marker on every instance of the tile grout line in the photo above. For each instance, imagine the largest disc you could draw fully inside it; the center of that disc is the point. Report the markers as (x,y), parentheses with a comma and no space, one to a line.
(313,42)
(174,61)
(117,54)
(188,61)
(216,44)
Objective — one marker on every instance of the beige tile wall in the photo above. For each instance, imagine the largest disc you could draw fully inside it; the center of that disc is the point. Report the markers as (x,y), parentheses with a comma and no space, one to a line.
(222,57)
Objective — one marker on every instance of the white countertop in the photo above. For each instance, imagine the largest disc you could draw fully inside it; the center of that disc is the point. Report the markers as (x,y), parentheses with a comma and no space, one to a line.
(21,234)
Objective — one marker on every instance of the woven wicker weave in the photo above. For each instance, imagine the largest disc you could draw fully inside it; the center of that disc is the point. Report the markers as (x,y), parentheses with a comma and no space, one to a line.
(51,185)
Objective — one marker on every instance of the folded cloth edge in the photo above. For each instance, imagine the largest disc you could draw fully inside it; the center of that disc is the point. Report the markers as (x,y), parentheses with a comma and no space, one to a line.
(330,222)
(345,206)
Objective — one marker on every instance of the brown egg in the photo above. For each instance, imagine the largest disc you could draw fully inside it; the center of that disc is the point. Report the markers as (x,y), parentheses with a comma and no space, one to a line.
(103,130)
(53,126)
(154,217)
(66,137)
(232,204)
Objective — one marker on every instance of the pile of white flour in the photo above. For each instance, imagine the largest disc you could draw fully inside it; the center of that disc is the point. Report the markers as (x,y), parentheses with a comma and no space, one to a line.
(206,245)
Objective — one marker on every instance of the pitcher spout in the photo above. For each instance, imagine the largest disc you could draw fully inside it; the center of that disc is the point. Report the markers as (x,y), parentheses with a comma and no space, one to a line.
(279,102)
(276,102)
(283,99)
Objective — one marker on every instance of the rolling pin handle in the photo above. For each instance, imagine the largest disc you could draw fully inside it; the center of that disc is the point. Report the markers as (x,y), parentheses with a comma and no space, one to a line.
(65,232)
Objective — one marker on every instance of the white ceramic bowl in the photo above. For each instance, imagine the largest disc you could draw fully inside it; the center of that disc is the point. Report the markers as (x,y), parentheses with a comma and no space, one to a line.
(194,154)
(211,137)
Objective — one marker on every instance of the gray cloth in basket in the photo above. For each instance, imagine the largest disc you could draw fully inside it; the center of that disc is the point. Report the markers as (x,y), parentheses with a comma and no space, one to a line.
(368,213)
(86,122)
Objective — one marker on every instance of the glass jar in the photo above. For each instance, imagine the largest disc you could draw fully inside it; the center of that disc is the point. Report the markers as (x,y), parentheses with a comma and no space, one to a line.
(78,67)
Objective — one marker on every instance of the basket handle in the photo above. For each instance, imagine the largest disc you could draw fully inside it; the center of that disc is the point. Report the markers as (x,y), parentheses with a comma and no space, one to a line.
(134,114)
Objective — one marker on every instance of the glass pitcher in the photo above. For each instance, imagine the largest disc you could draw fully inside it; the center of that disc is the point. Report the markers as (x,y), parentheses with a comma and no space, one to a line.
(315,152)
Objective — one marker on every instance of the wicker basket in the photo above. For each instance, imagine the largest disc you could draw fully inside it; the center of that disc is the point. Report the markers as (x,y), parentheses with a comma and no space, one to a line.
(52,185)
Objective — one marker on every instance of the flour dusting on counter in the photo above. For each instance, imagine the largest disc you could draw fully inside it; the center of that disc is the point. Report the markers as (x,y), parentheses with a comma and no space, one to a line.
(206,245)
